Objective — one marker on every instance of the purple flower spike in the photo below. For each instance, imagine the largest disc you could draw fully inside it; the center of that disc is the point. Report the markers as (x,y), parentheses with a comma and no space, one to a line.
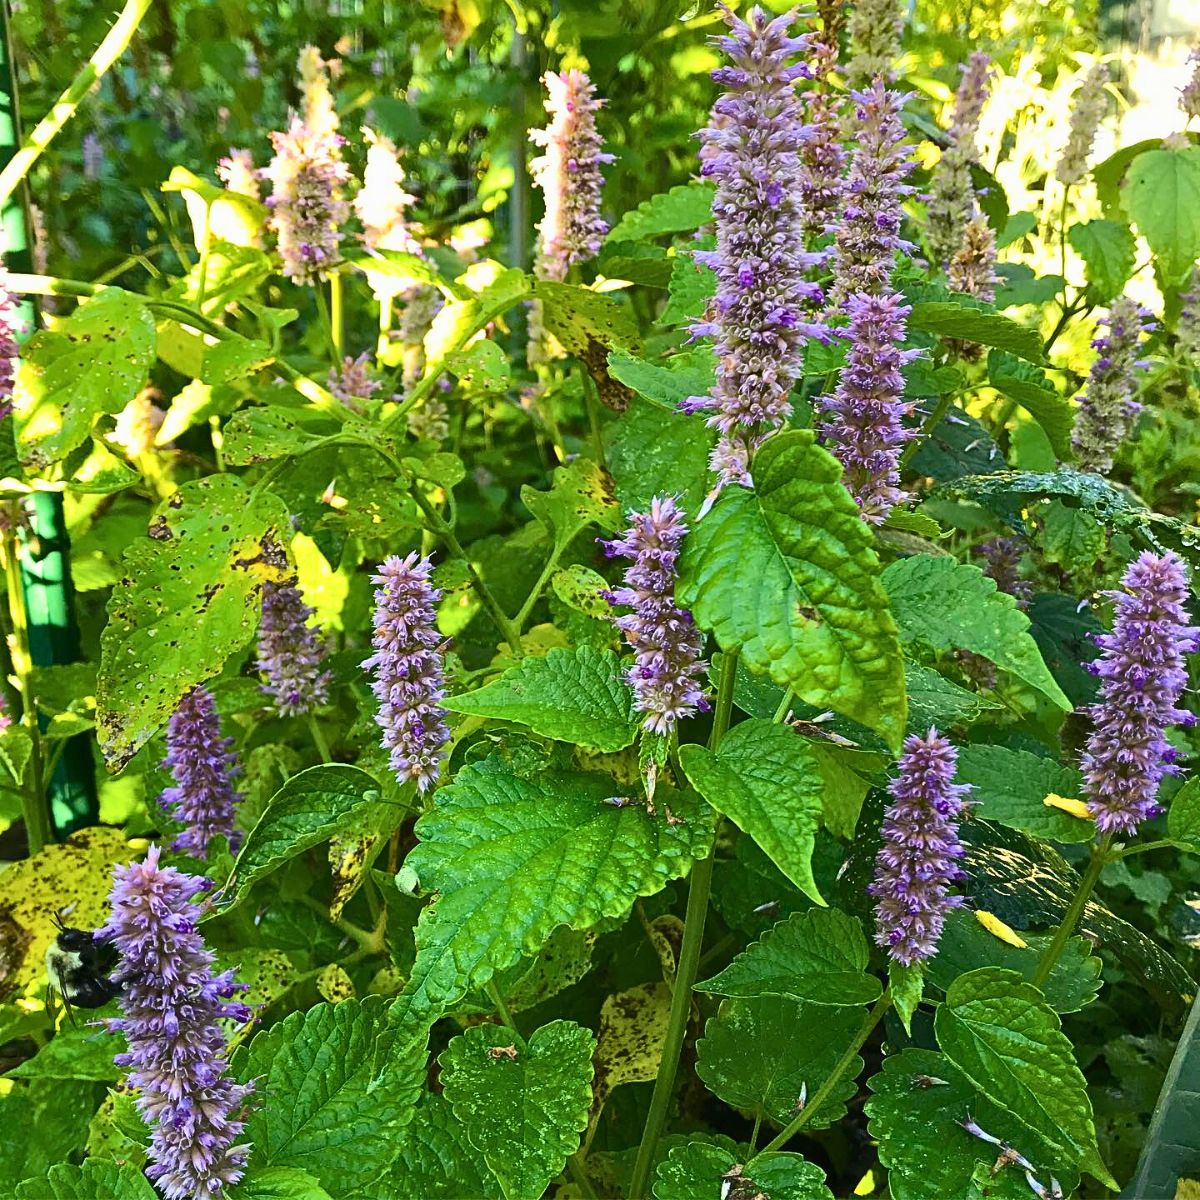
(1189,94)
(1187,328)
(290,652)
(667,669)
(1002,556)
(919,858)
(1143,675)
(863,424)
(172,1002)
(354,381)
(751,147)
(9,350)
(822,156)
(1107,411)
(202,767)
(408,669)
(569,175)
(869,234)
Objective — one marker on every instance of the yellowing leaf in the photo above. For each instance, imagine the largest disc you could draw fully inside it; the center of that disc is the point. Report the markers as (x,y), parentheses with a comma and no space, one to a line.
(997,928)
(1076,808)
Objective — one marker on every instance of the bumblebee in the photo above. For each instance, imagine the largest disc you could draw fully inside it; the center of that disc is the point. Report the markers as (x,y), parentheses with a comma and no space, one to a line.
(78,967)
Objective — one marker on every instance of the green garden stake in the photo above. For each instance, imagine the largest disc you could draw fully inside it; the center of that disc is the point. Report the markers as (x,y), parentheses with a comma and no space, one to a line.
(46,557)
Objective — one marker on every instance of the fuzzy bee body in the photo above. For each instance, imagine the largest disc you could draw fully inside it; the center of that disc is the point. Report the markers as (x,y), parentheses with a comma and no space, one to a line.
(78,968)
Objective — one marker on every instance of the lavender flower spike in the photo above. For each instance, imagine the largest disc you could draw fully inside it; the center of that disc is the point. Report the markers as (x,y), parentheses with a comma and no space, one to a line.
(1143,674)
(569,175)
(918,861)
(290,652)
(869,234)
(1187,327)
(9,350)
(407,665)
(751,147)
(863,424)
(202,767)
(238,173)
(172,1002)
(1107,410)
(1189,94)
(668,666)
(1090,102)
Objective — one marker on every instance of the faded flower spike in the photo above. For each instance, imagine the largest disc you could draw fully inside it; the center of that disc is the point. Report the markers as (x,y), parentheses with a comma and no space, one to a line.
(382,203)
(875,27)
(354,381)
(569,175)
(238,173)
(864,419)
(1087,111)
(667,645)
(202,767)
(1187,328)
(407,665)
(1107,411)
(951,194)
(752,148)
(290,652)
(918,861)
(172,1002)
(869,234)
(1189,94)
(1143,674)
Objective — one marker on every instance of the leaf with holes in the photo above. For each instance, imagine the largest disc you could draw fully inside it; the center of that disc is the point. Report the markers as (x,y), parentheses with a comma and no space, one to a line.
(580,495)
(523,1107)
(575,696)
(629,1046)
(788,574)
(764,780)
(482,364)
(947,605)
(93,362)
(1001,1034)
(579,317)
(334,1086)
(258,435)
(187,599)
(820,956)
(752,1059)
(512,858)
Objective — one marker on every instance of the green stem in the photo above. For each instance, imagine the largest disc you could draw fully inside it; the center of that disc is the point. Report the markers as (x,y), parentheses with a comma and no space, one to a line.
(784,705)
(502,1010)
(592,403)
(368,941)
(536,591)
(1062,239)
(826,1089)
(319,739)
(931,423)
(754,1132)
(202,269)
(48,128)
(694,920)
(327,324)
(38,830)
(580,1176)
(1141,848)
(337,320)
(1071,917)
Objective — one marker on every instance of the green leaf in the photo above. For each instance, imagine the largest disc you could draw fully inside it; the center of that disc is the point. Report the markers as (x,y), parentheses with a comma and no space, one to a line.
(788,575)
(701,1171)
(258,435)
(1002,1035)
(435,1159)
(523,1113)
(1071,537)
(1011,785)
(310,808)
(75,1052)
(494,840)
(766,782)
(45,1122)
(819,956)
(1162,197)
(751,1058)
(683,208)
(1172,1149)
(482,364)
(96,1179)
(966,324)
(965,946)
(928,1154)
(234,358)
(668,388)
(577,695)
(953,606)
(907,985)
(16,750)
(934,700)
(334,1087)
(578,316)
(278,1183)
(94,361)
(580,495)
(1109,251)
(187,598)
(460,320)
(1031,388)
(1183,817)
(691,287)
